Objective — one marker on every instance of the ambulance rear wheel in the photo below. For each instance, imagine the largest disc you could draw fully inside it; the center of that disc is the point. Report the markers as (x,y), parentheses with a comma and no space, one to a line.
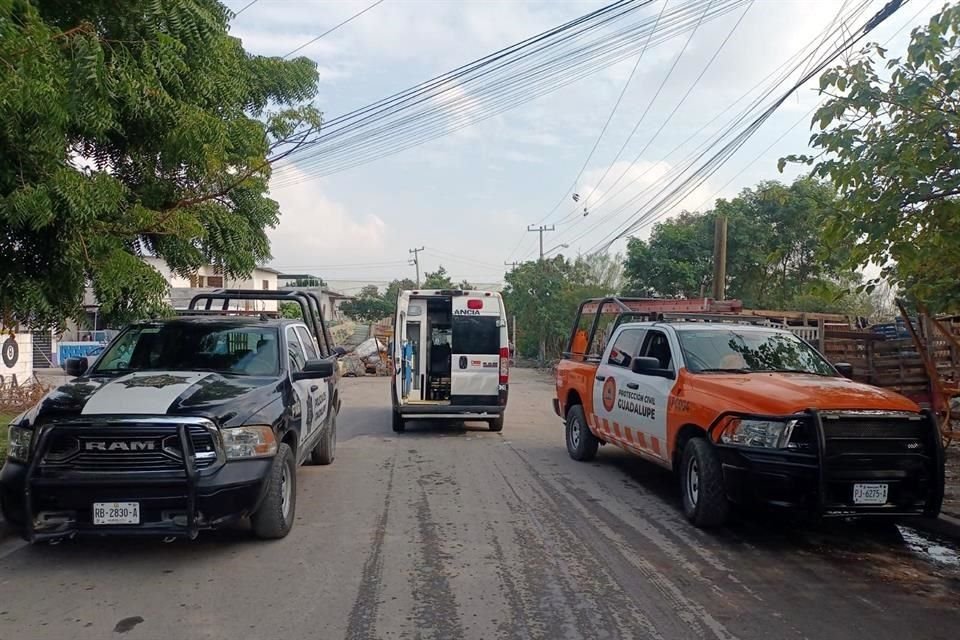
(701,479)
(398,424)
(581,443)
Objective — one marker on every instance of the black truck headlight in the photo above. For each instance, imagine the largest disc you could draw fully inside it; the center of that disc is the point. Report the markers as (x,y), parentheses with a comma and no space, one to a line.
(751,432)
(19,441)
(252,441)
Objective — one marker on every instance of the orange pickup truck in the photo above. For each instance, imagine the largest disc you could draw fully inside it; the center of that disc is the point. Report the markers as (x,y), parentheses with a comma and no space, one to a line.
(743,413)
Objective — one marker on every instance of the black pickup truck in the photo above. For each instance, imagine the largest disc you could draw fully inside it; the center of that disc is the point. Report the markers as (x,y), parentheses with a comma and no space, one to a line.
(180,425)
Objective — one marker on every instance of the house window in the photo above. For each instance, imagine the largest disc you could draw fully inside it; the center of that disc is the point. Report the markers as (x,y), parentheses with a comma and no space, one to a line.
(266,285)
(214,281)
(197,281)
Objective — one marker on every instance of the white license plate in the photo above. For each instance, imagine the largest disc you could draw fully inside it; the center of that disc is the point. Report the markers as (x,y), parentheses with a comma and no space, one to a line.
(869,493)
(106,513)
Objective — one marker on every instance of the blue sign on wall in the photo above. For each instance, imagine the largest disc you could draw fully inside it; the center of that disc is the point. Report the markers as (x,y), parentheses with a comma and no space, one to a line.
(75,350)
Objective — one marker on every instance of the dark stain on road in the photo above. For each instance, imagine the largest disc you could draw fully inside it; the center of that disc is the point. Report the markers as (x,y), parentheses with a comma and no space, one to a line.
(363,615)
(127,624)
(436,607)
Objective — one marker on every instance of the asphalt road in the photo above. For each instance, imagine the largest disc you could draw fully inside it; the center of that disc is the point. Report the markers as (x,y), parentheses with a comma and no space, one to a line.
(451,532)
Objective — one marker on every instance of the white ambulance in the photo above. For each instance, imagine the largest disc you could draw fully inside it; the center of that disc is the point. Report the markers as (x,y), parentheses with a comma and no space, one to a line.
(451,357)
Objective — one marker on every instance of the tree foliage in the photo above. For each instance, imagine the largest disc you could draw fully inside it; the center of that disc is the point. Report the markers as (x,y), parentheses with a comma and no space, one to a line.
(777,257)
(128,128)
(291,310)
(888,139)
(438,279)
(544,295)
(394,289)
(368,306)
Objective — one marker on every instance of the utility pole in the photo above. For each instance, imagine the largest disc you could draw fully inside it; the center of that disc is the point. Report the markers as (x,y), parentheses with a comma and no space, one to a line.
(416,262)
(512,265)
(720,257)
(540,230)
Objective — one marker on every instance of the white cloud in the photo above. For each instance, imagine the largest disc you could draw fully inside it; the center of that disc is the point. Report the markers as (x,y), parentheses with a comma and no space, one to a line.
(315,230)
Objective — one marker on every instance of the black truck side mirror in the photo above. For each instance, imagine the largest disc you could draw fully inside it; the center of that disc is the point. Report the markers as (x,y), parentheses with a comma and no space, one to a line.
(314,369)
(76,367)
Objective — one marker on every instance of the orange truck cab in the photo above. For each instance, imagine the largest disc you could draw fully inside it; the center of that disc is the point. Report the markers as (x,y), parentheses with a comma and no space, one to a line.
(744,413)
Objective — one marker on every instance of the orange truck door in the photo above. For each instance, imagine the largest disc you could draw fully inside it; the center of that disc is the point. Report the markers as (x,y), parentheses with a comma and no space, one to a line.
(649,394)
(609,421)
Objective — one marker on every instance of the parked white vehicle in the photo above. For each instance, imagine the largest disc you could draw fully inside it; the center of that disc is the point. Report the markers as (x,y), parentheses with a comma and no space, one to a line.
(451,357)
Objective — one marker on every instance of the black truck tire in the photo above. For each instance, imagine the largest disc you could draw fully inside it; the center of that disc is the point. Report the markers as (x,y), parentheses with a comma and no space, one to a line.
(701,481)
(399,426)
(275,516)
(581,443)
(326,449)
(496,424)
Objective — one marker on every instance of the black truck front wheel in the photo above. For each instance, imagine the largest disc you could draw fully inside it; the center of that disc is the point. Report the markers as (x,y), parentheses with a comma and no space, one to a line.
(581,443)
(326,449)
(275,516)
(701,480)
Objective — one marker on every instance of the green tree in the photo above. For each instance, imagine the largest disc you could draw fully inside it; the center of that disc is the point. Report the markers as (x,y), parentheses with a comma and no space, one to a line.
(291,310)
(129,128)
(394,289)
(368,306)
(777,257)
(439,279)
(887,139)
(544,295)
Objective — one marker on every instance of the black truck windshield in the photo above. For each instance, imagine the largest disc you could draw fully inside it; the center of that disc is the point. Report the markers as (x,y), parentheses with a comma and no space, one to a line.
(238,350)
(747,351)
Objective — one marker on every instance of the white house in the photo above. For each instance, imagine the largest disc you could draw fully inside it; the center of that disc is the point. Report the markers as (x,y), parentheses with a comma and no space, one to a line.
(208,277)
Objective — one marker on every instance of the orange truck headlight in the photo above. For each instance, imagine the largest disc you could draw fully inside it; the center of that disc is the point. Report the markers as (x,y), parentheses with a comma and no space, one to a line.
(751,432)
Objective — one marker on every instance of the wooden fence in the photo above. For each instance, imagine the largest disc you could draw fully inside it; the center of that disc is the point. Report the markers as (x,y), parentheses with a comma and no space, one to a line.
(896,364)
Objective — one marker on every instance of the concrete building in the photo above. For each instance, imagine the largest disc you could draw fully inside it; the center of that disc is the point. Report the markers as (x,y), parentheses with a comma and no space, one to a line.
(330,300)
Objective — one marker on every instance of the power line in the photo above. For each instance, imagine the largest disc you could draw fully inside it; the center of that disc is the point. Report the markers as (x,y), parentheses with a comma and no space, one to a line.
(679,104)
(443,255)
(788,68)
(377,131)
(319,267)
(693,181)
(575,211)
(245,7)
(801,119)
(676,107)
(331,29)
(603,130)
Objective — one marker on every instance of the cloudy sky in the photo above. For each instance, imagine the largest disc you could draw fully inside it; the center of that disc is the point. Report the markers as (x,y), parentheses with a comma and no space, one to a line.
(468,197)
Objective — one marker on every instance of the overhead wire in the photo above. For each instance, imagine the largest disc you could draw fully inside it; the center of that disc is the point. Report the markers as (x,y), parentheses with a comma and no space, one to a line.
(332,29)
(802,118)
(245,7)
(689,183)
(613,111)
(785,70)
(398,128)
(515,88)
(609,194)
(676,107)
(574,214)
